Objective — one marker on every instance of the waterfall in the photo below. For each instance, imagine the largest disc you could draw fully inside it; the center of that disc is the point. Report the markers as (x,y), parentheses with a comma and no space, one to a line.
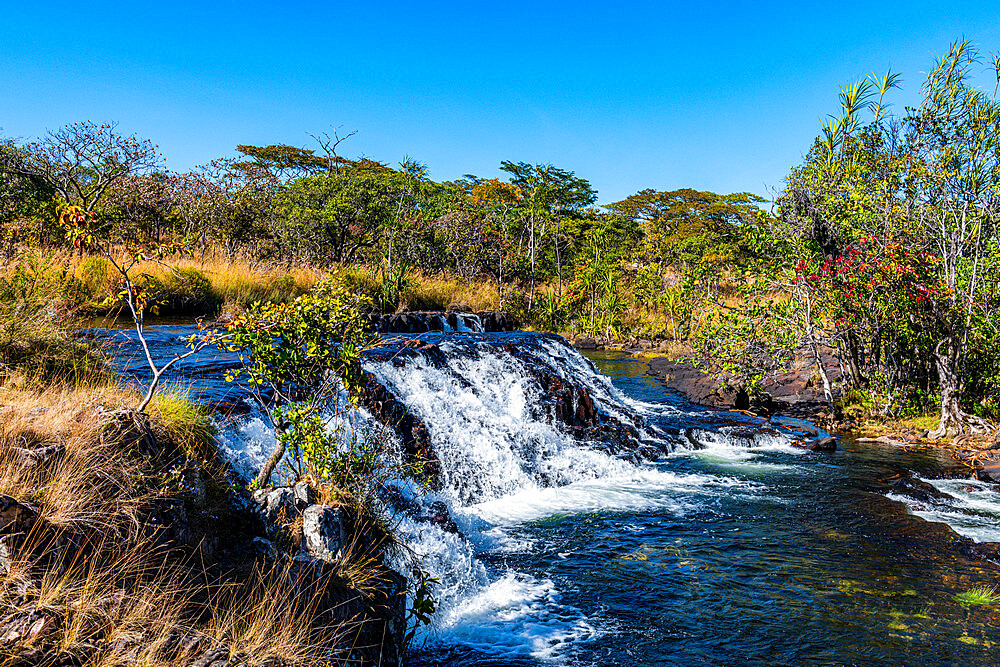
(524,428)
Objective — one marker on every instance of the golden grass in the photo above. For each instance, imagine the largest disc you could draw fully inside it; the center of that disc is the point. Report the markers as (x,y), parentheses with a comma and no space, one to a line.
(271,616)
(444,292)
(89,485)
(118,598)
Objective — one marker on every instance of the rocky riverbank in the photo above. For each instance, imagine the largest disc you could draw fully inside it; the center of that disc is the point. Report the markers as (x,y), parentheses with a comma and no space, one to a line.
(121,544)
(797,391)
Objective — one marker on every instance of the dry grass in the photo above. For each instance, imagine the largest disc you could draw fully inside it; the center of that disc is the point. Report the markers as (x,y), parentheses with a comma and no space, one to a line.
(271,615)
(117,596)
(232,283)
(445,292)
(91,484)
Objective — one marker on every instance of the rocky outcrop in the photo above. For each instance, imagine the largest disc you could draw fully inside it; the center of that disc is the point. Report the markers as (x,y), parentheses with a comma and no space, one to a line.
(426,321)
(312,540)
(796,390)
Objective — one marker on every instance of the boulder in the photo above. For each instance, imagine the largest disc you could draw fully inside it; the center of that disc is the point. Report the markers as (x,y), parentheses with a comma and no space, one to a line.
(323,532)
(826,444)
(585,343)
(303,494)
(989,471)
(15,517)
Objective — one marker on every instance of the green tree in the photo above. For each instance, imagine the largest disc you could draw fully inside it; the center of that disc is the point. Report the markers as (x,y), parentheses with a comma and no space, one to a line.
(295,359)
(548,195)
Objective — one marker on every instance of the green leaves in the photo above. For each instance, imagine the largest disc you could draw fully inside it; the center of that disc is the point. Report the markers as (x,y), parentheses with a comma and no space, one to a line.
(295,359)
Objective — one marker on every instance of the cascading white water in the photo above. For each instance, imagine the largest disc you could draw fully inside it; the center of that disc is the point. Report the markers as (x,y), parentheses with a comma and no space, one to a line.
(970,507)
(505,462)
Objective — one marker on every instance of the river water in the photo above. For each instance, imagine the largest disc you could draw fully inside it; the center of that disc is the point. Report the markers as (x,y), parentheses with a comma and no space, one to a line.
(735,546)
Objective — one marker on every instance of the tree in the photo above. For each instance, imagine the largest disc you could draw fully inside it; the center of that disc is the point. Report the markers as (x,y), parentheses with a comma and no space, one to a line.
(336,216)
(955,139)
(84,231)
(295,359)
(548,195)
(82,161)
(23,199)
(688,227)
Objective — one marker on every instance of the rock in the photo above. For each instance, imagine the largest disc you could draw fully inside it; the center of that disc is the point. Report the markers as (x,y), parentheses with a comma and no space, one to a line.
(303,494)
(440,516)
(265,548)
(16,517)
(217,657)
(323,532)
(8,547)
(585,343)
(276,506)
(40,456)
(989,471)
(827,444)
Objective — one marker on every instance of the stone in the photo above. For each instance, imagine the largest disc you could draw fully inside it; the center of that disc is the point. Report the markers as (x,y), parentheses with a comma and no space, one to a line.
(265,548)
(15,517)
(40,456)
(989,471)
(303,494)
(585,343)
(827,444)
(323,532)
(277,506)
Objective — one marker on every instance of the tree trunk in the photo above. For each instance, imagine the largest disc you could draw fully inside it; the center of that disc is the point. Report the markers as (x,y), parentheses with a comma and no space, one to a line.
(952,418)
(264,476)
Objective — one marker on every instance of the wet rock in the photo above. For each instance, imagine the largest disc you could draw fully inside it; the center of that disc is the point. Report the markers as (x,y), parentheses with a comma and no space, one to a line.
(919,489)
(412,432)
(826,444)
(439,515)
(323,532)
(585,343)
(989,471)
(424,321)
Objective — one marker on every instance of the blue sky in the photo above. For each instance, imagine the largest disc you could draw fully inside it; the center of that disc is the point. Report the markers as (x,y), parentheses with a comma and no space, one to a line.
(716,96)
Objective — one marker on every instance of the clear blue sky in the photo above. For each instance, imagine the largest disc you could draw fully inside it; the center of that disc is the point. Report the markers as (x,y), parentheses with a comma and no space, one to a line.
(722,96)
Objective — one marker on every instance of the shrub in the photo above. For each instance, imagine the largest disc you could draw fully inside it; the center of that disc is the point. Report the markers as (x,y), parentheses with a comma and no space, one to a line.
(184,422)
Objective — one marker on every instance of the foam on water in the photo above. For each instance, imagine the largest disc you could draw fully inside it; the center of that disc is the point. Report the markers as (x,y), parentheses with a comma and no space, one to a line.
(486,417)
(972,508)
(506,464)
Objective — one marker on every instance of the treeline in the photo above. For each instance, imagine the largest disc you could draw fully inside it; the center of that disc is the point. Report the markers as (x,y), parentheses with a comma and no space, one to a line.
(537,235)
(882,247)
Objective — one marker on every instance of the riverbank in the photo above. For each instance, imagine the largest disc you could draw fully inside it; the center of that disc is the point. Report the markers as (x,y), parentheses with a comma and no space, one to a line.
(127,538)
(797,392)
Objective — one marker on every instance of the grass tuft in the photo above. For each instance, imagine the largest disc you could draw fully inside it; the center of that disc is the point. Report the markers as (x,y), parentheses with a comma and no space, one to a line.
(979,595)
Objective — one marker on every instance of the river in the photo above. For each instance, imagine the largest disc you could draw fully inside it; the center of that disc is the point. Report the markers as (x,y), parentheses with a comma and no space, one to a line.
(731,545)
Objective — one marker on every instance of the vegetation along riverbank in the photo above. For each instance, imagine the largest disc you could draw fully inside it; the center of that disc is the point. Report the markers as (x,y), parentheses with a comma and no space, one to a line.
(864,297)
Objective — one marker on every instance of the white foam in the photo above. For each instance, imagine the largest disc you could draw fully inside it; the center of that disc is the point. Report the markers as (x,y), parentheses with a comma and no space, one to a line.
(971,510)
